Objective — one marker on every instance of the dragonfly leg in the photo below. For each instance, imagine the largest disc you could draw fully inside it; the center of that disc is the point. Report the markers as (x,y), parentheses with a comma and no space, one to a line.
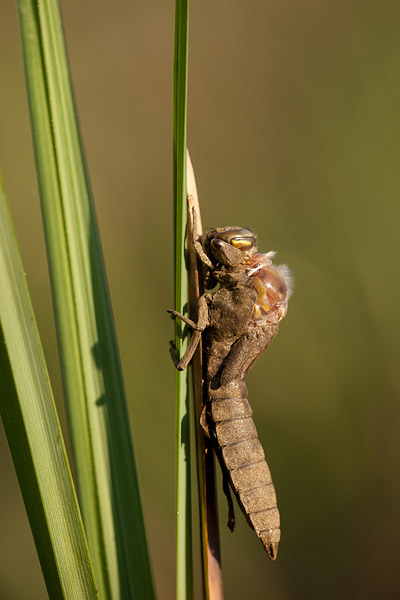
(198,328)
(172,351)
(198,248)
(227,492)
(244,352)
(204,422)
(178,315)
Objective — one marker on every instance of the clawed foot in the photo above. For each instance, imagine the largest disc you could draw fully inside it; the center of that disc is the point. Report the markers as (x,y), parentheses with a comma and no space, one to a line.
(231,510)
(175,358)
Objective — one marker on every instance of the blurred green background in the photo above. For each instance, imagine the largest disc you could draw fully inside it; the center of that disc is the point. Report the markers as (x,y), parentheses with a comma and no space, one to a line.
(294,131)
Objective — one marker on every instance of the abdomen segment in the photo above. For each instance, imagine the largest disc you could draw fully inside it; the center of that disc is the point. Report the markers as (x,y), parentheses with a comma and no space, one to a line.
(243,457)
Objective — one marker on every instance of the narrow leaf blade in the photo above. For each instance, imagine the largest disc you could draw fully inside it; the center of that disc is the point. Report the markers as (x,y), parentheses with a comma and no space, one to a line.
(34,435)
(103,452)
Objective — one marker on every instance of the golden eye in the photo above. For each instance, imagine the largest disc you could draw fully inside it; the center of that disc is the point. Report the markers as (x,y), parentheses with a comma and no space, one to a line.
(241,243)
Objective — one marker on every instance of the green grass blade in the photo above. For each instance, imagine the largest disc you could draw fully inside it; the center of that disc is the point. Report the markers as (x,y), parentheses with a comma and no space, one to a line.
(184,577)
(103,453)
(34,435)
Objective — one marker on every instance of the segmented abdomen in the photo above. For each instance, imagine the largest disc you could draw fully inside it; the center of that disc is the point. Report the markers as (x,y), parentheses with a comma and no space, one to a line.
(244,459)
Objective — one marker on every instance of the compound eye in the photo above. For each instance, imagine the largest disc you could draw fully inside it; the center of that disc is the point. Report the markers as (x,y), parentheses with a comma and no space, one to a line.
(242,243)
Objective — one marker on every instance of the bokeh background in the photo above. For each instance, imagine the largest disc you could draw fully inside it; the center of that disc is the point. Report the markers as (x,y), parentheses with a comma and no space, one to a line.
(294,131)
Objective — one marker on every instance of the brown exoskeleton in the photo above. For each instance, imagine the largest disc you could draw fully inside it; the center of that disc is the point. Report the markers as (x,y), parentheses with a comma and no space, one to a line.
(237,323)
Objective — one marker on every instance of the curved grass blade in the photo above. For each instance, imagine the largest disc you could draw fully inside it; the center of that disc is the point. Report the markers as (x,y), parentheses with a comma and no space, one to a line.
(208,508)
(184,575)
(103,453)
(34,435)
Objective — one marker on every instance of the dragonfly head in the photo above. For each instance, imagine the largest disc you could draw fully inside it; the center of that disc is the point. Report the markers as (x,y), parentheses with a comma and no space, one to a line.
(231,246)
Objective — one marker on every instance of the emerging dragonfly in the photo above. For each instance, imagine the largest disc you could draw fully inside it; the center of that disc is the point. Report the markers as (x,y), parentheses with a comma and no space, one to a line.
(237,323)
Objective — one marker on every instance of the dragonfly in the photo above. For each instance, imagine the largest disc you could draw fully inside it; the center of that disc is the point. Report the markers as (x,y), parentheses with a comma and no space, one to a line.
(237,322)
